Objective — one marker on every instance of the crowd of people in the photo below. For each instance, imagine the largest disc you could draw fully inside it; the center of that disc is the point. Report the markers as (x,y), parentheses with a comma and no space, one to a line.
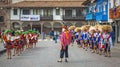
(96,38)
(18,41)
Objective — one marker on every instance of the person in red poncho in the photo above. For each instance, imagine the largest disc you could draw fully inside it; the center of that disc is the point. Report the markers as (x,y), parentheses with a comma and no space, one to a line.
(65,40)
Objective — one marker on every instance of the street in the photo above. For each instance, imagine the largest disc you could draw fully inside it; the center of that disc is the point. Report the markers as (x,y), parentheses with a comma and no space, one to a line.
(46,54)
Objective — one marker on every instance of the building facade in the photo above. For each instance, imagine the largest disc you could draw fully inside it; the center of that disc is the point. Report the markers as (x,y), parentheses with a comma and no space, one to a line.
(90,11)
(114,13)
(97,11)
(4,14)
(104,12)
(46,15)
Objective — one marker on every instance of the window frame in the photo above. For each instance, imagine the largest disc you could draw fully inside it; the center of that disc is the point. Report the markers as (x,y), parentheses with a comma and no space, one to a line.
(15,12)
(26,13)
(2,20)
(57,11)
(47,12)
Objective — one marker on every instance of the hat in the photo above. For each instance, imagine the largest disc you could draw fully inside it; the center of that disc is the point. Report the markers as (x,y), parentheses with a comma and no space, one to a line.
(72,27)
(8,31)
(77,29)
(92,29)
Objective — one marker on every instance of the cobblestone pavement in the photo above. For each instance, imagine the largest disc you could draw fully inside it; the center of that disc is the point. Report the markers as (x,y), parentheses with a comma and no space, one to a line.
(46,54)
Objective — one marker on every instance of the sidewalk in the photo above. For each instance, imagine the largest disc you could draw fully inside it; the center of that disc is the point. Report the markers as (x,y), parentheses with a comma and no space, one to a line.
(117,46)
(2,49)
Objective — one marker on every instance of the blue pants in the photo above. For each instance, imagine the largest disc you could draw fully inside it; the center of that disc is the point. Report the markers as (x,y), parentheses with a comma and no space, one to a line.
(55,38)
(62,51)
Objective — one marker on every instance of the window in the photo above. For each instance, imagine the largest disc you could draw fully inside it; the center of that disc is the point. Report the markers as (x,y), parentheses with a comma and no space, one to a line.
(37,12)
(98,9)
(79,12)
(110,5)
(26,12)
(4,1)
(68,12)
(1,19)
(119,1)
(16,25)
(57,11)
(15,11)
(47,12)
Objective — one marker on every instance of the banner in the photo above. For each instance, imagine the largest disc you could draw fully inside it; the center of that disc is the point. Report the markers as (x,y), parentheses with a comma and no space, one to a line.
(30,18)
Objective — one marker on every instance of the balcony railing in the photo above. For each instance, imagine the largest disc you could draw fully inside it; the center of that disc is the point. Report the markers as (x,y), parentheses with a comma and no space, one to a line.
(73,18)
(90,16)
(114,14)
(100,16)
(46,18)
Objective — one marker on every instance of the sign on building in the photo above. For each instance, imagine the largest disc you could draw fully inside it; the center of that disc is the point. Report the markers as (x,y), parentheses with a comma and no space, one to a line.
(30,18)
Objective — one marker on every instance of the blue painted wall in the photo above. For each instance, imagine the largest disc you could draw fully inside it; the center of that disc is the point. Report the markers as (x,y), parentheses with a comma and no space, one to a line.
(101,13)
(102,10)
(90,12)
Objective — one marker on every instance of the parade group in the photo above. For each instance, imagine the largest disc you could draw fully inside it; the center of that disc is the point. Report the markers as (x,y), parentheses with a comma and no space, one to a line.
(18,41)
(95,38)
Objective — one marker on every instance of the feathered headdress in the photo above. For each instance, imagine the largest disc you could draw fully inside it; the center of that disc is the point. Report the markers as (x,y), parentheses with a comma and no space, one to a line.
(8,31)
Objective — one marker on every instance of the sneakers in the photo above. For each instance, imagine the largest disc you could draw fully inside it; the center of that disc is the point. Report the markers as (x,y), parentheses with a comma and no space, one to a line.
(61,60)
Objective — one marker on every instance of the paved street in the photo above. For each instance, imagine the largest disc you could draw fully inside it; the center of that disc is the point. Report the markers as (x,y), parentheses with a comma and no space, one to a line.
(46,54)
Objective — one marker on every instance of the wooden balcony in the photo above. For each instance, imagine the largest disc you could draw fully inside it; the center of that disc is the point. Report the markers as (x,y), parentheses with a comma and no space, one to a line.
(114,14)
(46,18)
(73,18)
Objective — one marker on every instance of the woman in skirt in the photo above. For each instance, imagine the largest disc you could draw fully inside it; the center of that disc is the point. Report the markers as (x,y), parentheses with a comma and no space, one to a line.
(7,43)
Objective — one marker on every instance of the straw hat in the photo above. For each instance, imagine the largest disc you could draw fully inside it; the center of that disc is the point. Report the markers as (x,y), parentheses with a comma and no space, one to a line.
(92,29)
(85,27)
(72,27)
(77,29)
(107,28)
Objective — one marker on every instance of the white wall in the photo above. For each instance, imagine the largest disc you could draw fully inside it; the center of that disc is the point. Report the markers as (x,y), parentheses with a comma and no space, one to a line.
(73,12)
(117,2)
(57,17)
(15,1)
(110,5)
(14,17)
